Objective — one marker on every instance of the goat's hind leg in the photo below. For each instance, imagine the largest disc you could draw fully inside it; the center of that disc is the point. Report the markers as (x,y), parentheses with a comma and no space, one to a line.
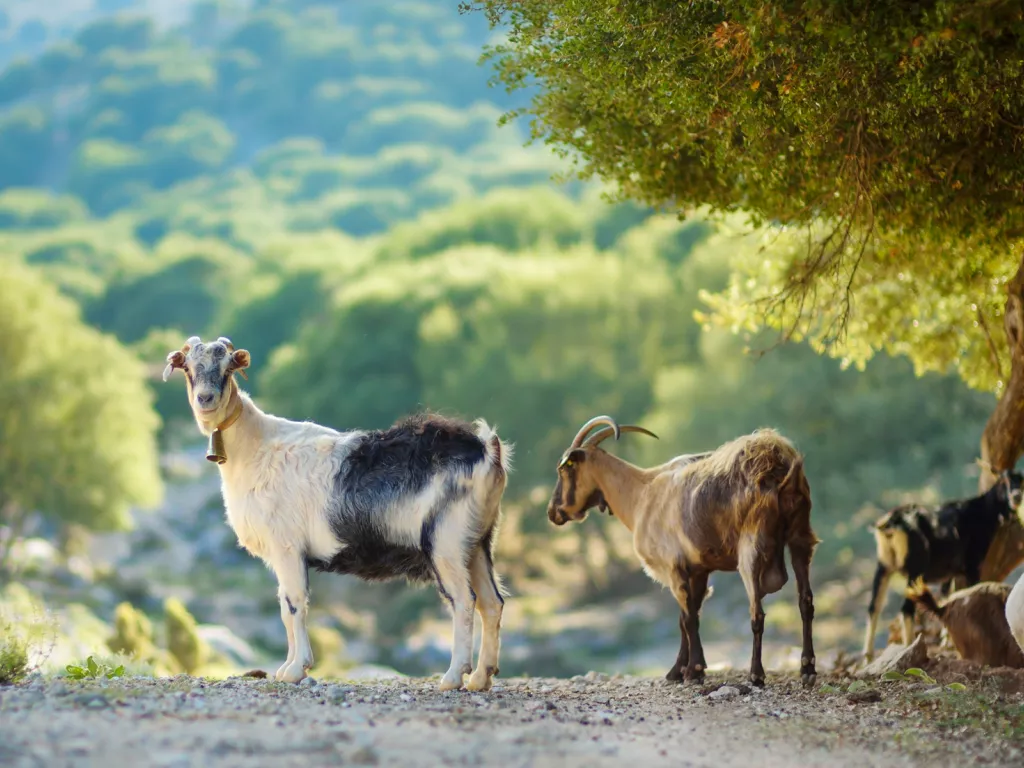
(675,674)
(489,605)
(750,572)
(800,554)
(451,564)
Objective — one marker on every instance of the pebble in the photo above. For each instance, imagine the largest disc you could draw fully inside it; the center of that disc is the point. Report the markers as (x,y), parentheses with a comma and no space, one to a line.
(308,682)
(364,756)
(337,692)
(91,700)
(724,693)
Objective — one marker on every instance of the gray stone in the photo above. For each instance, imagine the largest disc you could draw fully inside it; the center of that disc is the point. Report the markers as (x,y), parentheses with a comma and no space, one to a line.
(897,658)
(724,693)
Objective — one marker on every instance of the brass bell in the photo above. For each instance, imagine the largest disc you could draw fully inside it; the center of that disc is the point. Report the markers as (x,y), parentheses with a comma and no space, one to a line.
(215,450)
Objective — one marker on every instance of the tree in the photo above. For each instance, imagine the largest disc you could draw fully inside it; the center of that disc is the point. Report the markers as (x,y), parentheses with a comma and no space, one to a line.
(76,427)
(879,144)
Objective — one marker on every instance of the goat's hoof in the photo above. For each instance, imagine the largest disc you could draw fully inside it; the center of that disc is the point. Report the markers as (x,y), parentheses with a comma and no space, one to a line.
(697,678)
(479,681)
(809,678)
(674,675)
(291,673)
(757,680)
(279,675)
(452,680)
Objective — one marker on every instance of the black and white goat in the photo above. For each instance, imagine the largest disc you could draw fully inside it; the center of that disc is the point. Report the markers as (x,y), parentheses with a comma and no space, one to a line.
(420,500)
(937,545)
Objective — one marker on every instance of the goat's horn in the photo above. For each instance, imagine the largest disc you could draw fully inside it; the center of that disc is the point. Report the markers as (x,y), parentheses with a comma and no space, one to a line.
(192,341)
(604,434)
(586,429)
(227,343)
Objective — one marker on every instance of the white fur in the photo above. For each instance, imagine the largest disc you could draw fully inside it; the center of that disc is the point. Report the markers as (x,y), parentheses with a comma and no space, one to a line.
(1015,611)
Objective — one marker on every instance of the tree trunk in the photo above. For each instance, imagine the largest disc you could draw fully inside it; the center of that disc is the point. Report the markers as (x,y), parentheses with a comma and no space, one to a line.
(1003,439)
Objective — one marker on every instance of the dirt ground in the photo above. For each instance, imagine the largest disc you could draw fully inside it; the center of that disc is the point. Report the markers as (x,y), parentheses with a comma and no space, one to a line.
(591,720)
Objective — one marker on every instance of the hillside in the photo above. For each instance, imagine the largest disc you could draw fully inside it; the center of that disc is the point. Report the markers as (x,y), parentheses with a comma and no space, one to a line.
(327,184)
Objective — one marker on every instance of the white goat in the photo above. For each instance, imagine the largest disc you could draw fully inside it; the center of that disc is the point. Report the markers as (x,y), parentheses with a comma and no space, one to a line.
(420,500)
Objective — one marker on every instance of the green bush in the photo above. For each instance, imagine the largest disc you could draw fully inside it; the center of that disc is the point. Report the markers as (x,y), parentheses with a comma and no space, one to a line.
(133,633)
(13,654)
(183,640)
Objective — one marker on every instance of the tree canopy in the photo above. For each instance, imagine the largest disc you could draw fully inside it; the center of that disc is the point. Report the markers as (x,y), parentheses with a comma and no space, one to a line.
(77,432)
(887,136)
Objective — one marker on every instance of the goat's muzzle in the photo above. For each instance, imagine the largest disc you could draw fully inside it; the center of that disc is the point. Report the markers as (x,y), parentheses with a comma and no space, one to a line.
(556,515)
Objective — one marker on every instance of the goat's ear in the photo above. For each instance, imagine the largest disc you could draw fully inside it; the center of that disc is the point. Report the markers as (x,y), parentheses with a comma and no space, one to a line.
(239,362)
(174,360)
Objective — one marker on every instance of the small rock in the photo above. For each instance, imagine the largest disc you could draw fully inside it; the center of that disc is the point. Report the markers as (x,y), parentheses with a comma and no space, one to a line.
(59,689)
(364,756)
(724,693)
(308,682)
(91,700)
(337,692)
(864,697)
(897,658)
(405,697)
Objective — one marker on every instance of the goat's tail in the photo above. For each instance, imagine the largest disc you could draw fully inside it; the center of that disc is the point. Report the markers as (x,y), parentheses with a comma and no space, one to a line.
(499,453)
(918,592)
(796,469)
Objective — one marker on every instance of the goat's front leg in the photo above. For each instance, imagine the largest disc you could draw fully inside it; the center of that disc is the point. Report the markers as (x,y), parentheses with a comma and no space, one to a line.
(293,593)
(454,582)
(489,604)
(879,585)
(689,591)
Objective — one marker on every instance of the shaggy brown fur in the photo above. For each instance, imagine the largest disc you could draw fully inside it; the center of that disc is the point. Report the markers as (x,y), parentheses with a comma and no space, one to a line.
(736,508)
(976,621)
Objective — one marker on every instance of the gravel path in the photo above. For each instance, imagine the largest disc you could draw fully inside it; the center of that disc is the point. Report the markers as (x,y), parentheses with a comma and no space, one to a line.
(590,720)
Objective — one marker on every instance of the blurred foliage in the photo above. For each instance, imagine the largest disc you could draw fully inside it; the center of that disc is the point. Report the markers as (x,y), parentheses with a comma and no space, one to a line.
(133,633)
(183,640)
(881,142)
(76,425)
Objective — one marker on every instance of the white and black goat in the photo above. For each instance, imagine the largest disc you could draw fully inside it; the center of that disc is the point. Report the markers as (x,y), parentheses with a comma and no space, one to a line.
(736,508)
(420,500)
(937,544)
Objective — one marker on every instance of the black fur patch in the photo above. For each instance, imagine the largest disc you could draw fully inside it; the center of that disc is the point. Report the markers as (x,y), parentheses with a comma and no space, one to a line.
(291,607)
(487,544)
(385,468)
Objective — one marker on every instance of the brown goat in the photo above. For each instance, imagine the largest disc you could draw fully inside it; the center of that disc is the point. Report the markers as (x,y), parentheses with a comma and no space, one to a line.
(735,508)
(975,619)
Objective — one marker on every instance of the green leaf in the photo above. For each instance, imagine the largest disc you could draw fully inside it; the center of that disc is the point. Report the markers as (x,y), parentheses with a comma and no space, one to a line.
(957,687)
(856,685)
(116,672)
(892,674)
(915,672)
(93,667)
(826,688)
